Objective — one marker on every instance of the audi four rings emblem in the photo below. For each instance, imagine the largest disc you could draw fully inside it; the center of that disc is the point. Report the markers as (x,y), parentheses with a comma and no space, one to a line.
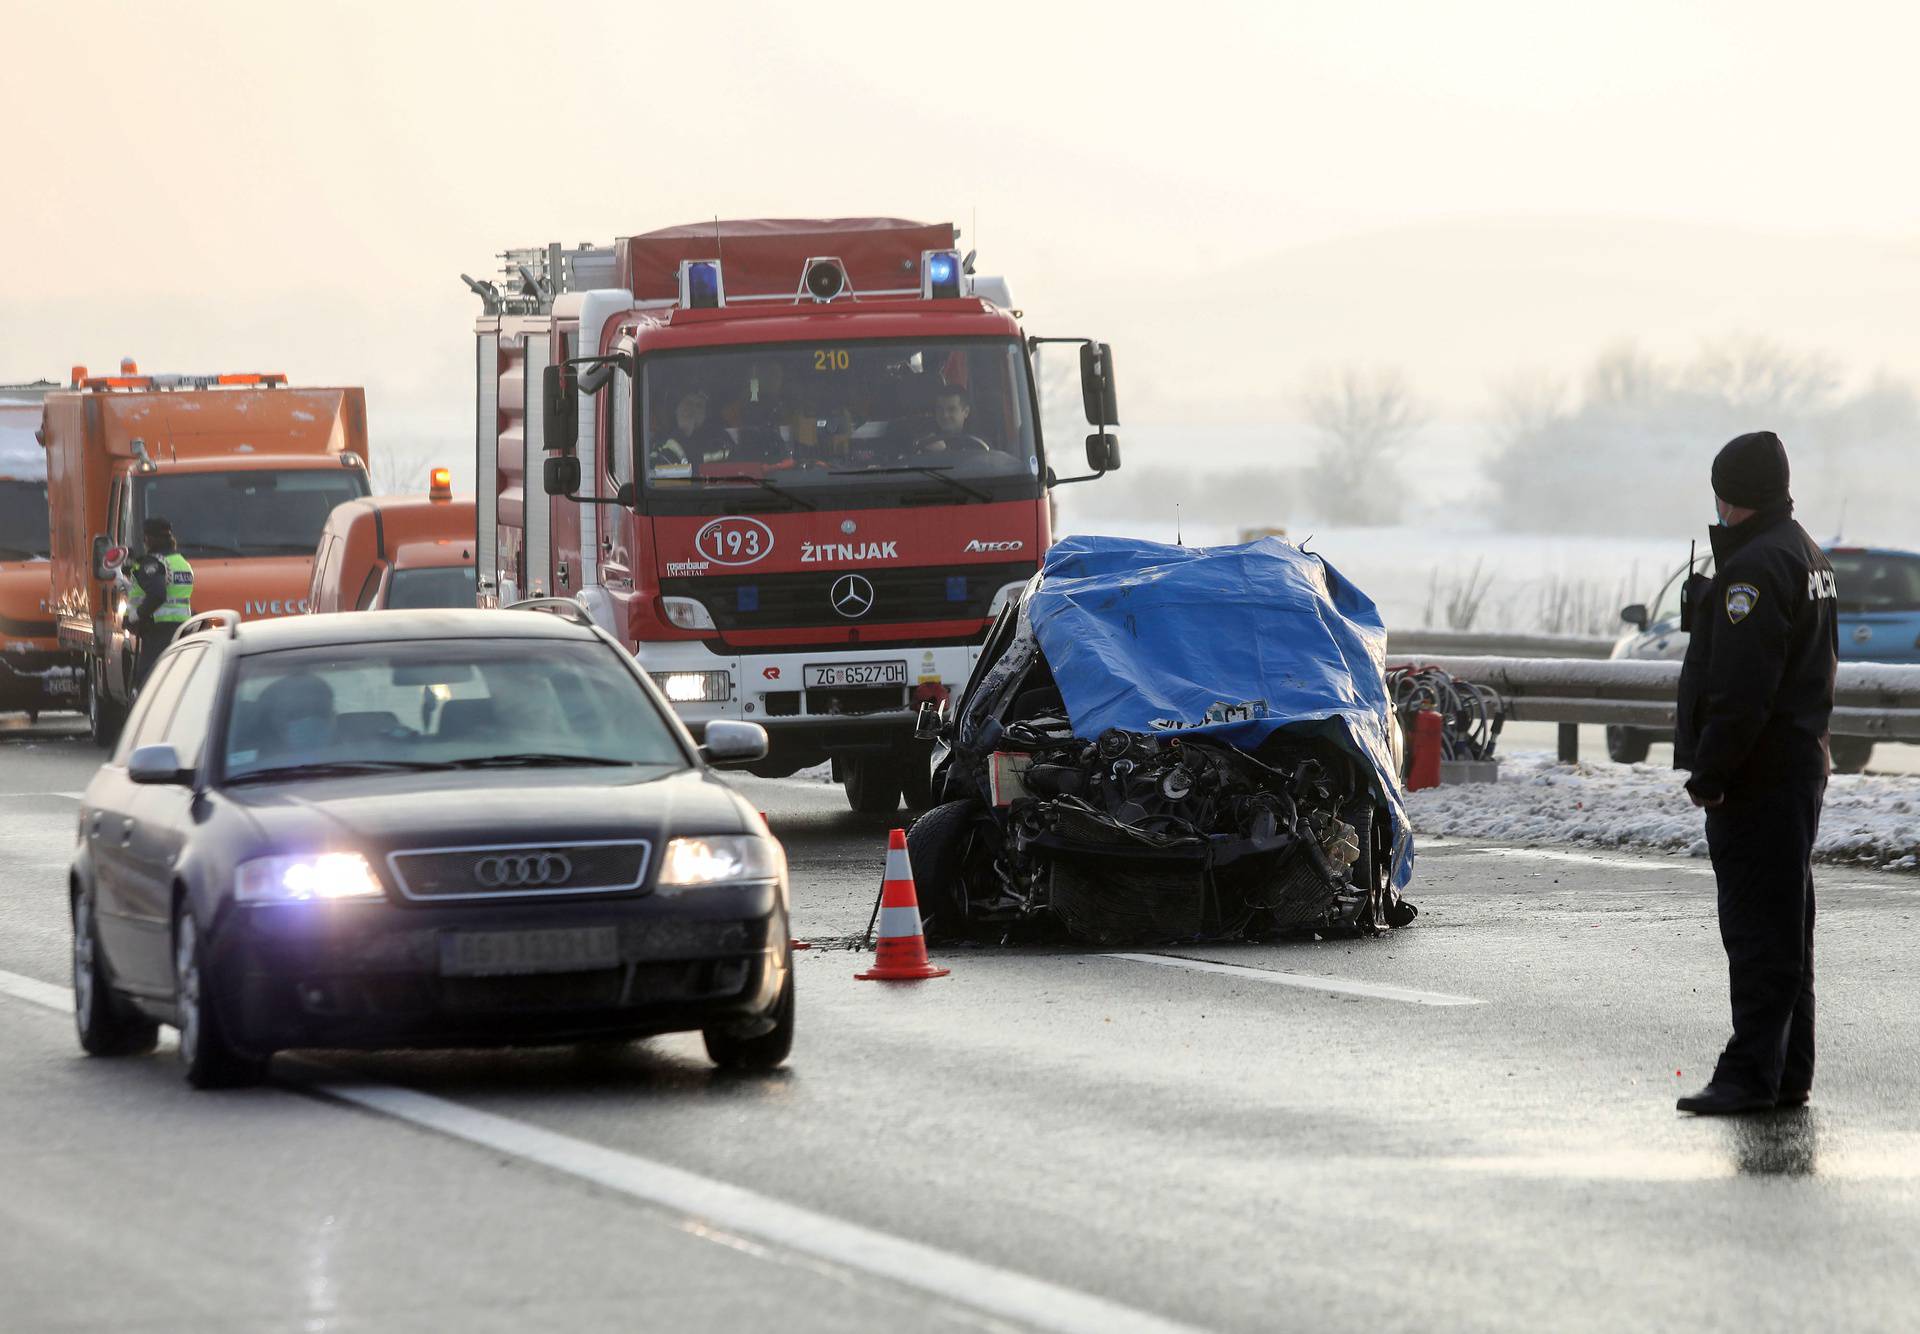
(852,595)
(522,871)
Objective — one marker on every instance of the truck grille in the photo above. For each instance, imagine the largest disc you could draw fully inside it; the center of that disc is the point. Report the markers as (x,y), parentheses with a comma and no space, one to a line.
(520,870)
(783,601)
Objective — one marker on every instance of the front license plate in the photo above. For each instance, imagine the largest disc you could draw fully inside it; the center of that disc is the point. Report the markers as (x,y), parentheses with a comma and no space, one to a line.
(855,674)
(577,949)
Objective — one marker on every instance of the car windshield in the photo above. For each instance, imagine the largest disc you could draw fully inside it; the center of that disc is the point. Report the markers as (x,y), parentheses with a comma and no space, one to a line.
(23,520)
(450,703)
(1876,581)
(812,425)
(446,586)
(246,513)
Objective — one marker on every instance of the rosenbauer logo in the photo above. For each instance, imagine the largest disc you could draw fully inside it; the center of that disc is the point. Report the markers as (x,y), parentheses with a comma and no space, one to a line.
(734,540)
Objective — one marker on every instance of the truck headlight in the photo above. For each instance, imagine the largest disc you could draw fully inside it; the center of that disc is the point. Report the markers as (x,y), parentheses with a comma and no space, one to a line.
(720,859)
(697,687)
(303,879)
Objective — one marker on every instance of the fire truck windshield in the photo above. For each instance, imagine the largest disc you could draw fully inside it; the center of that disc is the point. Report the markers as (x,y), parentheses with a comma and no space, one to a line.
(23,519)
(265,512)
(838,424)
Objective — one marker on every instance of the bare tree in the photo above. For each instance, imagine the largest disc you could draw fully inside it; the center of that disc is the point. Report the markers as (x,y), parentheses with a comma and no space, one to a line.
(1364,417)
(396,469)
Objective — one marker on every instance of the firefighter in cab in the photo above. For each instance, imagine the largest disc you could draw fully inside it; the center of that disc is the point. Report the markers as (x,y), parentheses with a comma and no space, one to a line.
(160,596)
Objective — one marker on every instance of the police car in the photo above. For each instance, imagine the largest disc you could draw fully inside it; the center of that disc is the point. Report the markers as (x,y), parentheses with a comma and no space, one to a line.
(1878,606)
(420,829)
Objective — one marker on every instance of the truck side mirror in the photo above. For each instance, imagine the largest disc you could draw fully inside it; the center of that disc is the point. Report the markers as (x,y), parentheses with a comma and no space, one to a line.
(1096,385)
(1103,452)
(627,496)
(1636,615)
(561,474)
(560,405)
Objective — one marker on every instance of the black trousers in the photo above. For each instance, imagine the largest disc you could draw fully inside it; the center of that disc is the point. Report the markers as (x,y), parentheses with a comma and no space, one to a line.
(1761,841)
(153,640)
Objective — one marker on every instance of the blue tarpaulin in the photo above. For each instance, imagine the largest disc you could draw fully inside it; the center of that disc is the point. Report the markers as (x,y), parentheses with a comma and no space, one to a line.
(1235,642)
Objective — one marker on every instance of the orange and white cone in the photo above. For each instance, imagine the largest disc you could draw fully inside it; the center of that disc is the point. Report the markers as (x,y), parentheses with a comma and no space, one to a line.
(900,953)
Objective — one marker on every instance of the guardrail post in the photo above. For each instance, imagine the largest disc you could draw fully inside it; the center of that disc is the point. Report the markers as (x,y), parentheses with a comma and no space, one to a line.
(1569,743)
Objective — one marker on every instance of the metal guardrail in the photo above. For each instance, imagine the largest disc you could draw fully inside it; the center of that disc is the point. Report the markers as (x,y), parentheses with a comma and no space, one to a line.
(1479,643)
(1870,699)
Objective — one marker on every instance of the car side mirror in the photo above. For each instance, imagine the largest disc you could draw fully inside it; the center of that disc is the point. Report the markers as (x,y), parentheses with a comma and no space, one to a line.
(1103,452)
(1096,385)
(560,474)
(730,742)
(155,764)
(560,408)
(1636,616)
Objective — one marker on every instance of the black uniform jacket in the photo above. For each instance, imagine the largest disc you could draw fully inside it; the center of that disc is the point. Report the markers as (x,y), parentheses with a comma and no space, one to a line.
(1757,684)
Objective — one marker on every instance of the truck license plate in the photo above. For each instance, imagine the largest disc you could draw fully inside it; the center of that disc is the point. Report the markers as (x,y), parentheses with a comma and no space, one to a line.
(577,949)
(855,674)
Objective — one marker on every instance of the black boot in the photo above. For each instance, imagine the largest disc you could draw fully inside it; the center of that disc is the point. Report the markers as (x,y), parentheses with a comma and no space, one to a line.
(1725,1100)
(1792,1098)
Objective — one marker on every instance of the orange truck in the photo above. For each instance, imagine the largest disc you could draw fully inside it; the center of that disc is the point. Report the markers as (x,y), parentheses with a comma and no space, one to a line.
(244,468)
(35,673)
(397,552)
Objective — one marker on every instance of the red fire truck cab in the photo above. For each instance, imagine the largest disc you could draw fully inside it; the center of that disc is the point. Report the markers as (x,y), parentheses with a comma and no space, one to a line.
(796,466)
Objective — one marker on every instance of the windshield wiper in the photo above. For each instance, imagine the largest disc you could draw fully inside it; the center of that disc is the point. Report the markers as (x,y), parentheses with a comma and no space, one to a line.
(534,759)
(938,475)
(335,769)
(760,482)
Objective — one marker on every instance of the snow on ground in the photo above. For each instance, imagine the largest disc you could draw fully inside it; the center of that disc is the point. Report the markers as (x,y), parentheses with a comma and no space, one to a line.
(1869,820)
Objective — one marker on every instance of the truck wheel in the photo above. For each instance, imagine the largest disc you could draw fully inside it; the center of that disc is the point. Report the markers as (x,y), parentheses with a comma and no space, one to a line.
(872,783)
(1850,753)
(1628,745)
(916,776)
(104,716)
(939,847)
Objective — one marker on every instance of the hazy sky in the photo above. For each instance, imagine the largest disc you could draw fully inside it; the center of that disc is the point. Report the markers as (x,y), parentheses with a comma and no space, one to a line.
(214,186)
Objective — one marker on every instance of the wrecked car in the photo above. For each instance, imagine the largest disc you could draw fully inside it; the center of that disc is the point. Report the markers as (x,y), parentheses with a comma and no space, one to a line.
(1163,743)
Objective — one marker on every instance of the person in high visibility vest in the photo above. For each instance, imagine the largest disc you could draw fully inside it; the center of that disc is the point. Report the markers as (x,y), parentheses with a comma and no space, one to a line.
(160,597)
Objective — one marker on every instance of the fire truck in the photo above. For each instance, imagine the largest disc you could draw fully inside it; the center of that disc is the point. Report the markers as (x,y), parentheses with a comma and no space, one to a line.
(35,672)
(796,466)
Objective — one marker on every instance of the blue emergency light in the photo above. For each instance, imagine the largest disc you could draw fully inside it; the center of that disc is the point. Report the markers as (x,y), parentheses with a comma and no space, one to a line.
(940,274)
(701,287)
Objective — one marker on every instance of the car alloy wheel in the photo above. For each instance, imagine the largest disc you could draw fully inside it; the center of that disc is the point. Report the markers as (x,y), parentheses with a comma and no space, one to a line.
(208,1060)
(101,1020)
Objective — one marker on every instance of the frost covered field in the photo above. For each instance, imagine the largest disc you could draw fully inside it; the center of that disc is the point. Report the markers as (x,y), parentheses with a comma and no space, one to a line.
(1870,820)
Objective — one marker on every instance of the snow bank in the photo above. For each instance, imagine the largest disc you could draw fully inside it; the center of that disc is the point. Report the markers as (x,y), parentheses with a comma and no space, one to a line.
(1870,820)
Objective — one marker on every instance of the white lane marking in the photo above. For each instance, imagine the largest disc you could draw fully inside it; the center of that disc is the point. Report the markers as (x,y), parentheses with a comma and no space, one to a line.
(715,1204)
(70,796)
(1305,981)
(1587,859)
(37,992)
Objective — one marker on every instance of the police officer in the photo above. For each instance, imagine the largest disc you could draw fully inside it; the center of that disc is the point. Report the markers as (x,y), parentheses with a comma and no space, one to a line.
(161,595)
(1756,693)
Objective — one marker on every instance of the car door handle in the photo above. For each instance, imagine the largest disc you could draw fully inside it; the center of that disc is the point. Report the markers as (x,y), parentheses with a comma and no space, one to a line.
(126,831)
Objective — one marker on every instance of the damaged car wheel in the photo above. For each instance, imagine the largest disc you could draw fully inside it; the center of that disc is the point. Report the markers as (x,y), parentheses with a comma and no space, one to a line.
(939,846)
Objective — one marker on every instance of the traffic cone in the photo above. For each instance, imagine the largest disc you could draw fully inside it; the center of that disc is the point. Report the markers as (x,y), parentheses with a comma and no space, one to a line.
(900,954)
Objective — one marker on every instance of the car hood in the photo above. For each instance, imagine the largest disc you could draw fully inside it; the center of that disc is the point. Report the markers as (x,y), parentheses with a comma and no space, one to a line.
(386,812)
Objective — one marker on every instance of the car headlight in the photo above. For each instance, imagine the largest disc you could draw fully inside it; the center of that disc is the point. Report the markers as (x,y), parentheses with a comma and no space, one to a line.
(693,687)
(303,879)
(720,859)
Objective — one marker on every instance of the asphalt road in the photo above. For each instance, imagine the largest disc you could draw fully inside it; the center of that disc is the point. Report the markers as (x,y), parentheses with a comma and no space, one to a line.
(1466,1125)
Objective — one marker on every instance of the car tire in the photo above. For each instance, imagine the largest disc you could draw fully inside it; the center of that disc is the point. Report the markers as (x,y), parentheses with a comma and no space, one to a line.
(106,1024)
(937,849)
(763,1051)
(104,716)
(1850,753)
(208,1059)
(1628,745)
(872,783)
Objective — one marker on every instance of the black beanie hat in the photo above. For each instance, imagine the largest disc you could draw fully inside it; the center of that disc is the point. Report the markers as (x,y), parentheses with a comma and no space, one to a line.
(1751,471)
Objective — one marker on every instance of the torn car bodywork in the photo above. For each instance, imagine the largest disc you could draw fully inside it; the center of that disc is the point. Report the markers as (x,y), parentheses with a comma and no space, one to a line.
(1171,743)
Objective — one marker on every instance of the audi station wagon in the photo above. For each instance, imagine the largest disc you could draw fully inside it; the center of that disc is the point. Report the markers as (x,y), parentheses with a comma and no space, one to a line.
(440,828)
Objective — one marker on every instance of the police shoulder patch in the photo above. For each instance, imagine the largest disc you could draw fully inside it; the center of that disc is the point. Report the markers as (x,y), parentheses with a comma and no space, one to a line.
(1741,599)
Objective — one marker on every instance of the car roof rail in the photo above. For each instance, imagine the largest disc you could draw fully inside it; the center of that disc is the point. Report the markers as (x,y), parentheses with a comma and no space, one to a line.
(206,620)
(565,608)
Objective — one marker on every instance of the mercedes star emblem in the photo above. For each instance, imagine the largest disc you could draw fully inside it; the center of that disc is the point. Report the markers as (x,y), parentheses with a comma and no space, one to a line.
(852,595)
